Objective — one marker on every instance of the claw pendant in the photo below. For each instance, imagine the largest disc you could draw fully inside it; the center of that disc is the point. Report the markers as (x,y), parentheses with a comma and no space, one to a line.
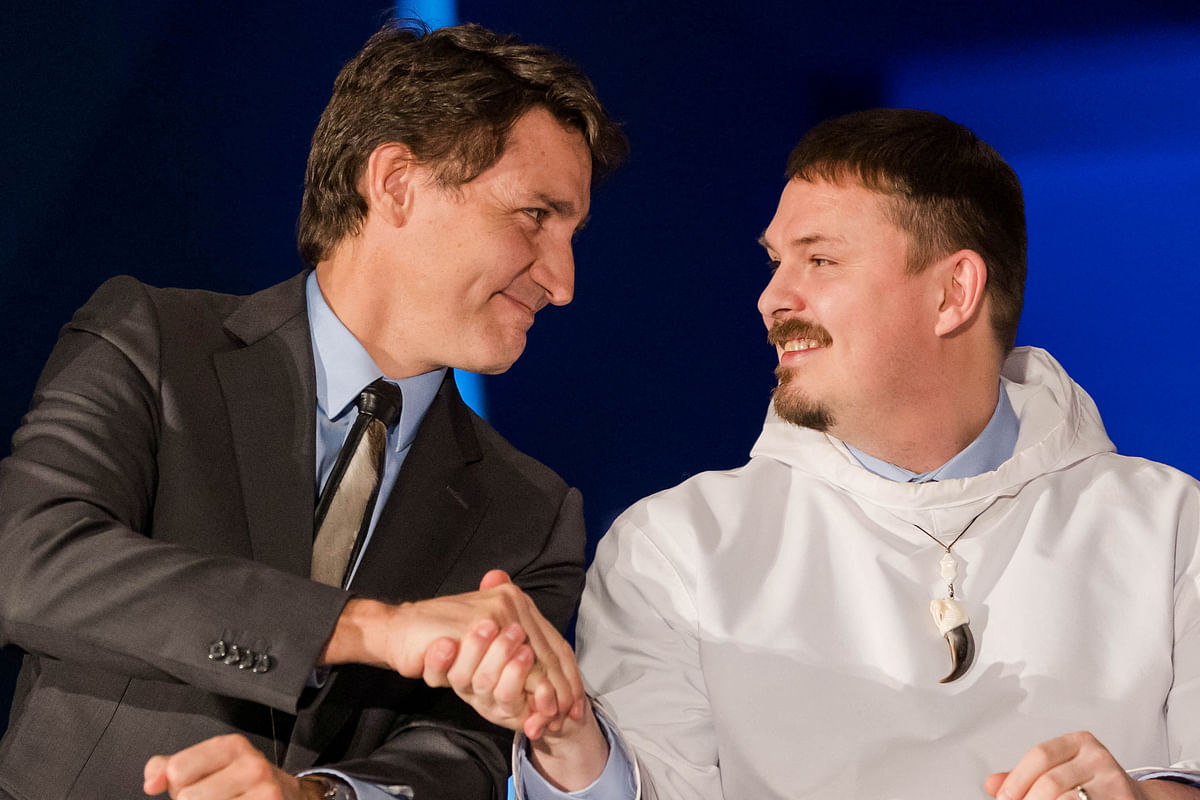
(948,614)
(953,623)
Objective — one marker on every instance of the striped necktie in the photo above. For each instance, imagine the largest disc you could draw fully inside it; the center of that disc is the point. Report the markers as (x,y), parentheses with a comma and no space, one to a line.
(343,512)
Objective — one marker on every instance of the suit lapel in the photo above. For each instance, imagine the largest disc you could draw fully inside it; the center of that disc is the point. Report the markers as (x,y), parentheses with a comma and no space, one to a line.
(270,396)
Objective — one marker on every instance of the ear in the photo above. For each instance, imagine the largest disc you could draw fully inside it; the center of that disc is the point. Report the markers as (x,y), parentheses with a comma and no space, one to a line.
(962,285)
(391,174)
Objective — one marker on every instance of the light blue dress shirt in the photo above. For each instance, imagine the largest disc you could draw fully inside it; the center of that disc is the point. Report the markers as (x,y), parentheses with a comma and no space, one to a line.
(992,447)
(343,368)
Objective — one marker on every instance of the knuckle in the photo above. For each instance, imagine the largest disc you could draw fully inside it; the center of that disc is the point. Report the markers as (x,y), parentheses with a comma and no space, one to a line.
(482,682)
(235,743)
(256,769)
(457,680)
(1049,786)
(1082,738)
(173,770)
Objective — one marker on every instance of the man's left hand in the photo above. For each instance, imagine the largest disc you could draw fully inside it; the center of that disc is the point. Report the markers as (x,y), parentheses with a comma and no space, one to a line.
(1054,770)
(219,768)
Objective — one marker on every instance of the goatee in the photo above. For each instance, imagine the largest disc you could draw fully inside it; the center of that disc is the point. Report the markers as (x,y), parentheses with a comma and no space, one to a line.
(791,403)
(794,406)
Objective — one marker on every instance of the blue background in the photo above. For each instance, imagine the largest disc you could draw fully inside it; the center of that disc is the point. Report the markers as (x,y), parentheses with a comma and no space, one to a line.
(168,141)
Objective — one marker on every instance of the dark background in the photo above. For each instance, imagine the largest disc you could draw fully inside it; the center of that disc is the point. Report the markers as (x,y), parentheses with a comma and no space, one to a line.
(169,140)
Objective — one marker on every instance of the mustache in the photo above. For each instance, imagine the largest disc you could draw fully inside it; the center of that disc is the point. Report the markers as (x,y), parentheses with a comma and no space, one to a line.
(785,330)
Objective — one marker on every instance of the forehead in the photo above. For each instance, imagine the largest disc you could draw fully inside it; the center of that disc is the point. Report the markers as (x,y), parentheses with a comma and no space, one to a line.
(542,155)
(821,209)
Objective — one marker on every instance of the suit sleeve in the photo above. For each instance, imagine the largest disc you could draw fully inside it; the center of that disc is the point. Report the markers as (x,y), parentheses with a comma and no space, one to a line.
(85,579)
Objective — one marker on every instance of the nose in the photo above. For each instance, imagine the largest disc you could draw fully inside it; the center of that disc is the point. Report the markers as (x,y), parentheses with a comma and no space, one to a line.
(781,296)
(554,271)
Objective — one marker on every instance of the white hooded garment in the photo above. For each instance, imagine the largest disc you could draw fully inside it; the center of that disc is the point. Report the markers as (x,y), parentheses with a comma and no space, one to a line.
(765,632)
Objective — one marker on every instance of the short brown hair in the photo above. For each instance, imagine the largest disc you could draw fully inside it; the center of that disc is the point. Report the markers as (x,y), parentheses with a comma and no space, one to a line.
(451,96)
(950,191)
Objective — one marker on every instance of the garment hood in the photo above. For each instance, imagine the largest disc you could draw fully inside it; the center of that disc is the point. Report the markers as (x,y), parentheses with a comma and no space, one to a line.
(1060,426)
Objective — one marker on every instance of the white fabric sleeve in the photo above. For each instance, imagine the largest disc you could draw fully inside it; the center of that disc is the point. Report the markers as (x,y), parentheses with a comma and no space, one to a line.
(1183,702)
(639,654)
(618,781)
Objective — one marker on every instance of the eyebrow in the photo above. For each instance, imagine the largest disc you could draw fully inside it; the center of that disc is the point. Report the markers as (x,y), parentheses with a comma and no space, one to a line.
(563,208)
(804,241)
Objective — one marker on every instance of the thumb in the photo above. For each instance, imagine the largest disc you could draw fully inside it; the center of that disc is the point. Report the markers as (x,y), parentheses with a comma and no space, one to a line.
(994,782)
(494,578)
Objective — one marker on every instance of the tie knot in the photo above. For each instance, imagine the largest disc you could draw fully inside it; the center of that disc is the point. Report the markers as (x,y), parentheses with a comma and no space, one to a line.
(381,400)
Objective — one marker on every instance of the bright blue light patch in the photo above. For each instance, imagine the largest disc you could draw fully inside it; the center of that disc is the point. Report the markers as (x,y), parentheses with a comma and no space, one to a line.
(1060,96)
(435,13)
(1105,136)
(470,386)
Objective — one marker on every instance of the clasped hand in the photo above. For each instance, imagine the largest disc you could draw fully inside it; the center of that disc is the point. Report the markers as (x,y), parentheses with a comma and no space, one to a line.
(1054,769)
(515,670)
(219,768)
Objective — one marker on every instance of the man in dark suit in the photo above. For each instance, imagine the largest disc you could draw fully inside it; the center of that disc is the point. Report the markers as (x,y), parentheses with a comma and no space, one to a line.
(156,516)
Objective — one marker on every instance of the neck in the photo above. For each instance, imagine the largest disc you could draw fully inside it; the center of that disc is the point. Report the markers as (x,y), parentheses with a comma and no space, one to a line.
(922,433)
(349,281)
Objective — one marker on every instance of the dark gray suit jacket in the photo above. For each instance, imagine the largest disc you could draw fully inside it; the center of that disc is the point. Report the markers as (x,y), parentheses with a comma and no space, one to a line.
(159,499)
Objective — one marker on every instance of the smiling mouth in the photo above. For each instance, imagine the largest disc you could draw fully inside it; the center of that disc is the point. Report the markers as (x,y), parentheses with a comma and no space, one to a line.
(795,336)
(530,310)
(796,345)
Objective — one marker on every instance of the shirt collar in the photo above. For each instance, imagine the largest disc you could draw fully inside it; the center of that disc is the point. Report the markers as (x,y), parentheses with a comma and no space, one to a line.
(343,368)
(991,448)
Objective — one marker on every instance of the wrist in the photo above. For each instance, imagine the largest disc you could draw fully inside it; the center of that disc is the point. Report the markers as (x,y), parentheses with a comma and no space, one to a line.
(360,634)
(573,758)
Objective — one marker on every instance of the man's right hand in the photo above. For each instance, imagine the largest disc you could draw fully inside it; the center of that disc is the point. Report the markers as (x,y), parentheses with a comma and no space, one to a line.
(418,640)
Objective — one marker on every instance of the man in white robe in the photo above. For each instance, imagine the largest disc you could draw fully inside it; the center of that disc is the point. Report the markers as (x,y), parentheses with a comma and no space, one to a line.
(776,631)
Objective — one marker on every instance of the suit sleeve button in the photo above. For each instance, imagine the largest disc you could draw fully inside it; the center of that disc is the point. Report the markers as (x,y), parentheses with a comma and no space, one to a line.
(216,650)
(262,663)
(233,655)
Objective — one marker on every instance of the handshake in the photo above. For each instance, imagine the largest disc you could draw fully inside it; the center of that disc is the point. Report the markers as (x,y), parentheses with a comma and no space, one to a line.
(492,647)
